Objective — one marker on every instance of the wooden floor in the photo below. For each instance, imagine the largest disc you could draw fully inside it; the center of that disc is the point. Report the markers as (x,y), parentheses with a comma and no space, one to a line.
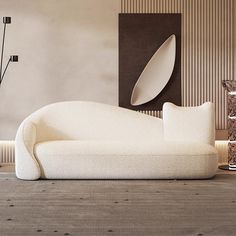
(137,208)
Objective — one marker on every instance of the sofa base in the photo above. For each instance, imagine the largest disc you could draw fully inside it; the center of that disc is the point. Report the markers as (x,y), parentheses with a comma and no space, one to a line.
(124,160)
(124,168)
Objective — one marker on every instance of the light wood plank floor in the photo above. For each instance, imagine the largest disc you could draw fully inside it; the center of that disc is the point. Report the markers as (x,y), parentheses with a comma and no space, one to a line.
(122,207)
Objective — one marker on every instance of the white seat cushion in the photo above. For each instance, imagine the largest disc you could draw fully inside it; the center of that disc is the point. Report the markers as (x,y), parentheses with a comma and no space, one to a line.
(127,160)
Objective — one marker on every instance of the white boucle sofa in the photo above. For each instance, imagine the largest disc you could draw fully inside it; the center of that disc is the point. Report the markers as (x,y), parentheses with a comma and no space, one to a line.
(86,140)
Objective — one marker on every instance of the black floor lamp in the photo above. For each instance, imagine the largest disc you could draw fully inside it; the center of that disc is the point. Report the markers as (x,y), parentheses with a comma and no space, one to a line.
(12,58)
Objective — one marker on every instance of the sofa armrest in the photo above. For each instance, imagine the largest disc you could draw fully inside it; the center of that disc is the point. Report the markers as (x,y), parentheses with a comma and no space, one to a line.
(189,124)
(27,167)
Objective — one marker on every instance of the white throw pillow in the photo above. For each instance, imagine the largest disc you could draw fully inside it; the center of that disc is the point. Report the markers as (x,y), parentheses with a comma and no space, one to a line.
(189,124)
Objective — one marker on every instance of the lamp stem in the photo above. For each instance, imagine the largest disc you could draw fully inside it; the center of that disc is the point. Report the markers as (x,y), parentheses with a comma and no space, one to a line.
(3,43)
(5,70)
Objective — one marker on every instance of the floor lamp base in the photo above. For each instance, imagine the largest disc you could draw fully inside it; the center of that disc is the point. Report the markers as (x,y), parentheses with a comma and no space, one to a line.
(227,167)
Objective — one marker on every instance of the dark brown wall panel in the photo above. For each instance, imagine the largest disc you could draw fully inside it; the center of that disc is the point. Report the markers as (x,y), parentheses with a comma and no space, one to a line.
(140,35)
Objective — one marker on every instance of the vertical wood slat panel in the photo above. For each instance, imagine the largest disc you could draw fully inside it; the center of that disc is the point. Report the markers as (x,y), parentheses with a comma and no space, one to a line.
(152,113)
(222,148)
(7,151)
(207,47)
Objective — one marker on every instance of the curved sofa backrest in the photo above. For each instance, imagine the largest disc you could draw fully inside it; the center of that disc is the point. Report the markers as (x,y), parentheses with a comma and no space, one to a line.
(78,120)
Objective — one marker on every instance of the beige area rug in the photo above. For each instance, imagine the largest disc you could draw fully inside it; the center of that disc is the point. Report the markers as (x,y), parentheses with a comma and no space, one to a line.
(139,208)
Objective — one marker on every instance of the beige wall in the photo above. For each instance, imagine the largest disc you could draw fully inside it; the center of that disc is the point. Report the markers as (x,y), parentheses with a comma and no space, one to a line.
(68,50)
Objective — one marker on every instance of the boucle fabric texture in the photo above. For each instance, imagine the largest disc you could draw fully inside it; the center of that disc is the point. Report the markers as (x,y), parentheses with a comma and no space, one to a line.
(86,140)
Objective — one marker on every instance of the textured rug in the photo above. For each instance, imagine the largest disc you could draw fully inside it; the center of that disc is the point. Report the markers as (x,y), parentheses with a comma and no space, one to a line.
(85,207)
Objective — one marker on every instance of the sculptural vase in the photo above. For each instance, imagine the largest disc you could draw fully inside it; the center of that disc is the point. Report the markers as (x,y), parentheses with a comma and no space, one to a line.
(230,86)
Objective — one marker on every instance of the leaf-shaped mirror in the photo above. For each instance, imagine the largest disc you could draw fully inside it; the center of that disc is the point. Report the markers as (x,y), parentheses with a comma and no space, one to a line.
(156,74)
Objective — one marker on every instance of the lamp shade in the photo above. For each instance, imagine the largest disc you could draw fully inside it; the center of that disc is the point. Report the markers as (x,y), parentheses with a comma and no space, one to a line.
(7,20)
(14,58)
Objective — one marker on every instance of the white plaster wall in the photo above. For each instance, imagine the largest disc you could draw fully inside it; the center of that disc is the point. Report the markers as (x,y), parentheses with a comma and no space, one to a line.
(68,50)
